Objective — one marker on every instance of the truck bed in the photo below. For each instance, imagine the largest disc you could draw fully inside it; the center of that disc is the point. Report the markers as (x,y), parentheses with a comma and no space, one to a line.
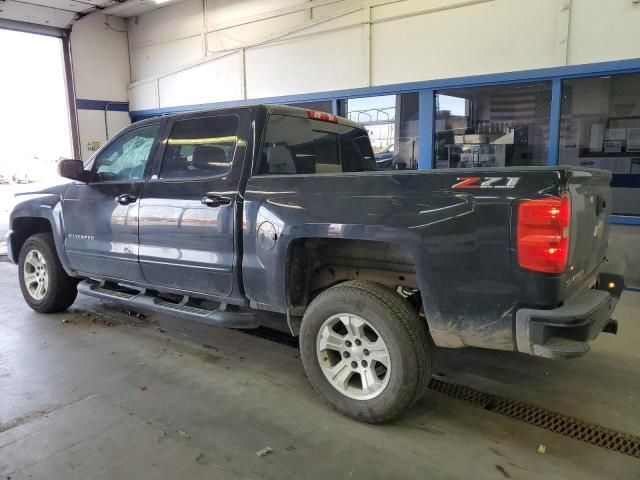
(454,226)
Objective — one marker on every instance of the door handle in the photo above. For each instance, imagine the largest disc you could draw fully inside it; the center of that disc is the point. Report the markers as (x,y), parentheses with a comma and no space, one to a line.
(125,199)
(213,200)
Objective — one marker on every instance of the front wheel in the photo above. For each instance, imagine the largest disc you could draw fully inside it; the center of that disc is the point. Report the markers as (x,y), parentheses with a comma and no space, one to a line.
(365,350)
(45,285)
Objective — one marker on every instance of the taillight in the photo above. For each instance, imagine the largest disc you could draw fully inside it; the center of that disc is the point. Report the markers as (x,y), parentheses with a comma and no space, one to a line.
(322,116)
(543,233)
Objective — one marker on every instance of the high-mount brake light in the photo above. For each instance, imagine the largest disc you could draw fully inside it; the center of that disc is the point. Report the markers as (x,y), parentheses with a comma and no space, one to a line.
(322,116)
(543,233)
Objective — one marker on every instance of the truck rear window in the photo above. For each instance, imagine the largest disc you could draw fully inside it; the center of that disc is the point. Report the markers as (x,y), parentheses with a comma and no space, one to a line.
(295,145)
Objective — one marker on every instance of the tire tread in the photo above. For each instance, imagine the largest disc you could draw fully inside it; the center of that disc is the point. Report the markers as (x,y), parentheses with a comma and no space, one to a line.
(408,317)
(401,312)
(63,286)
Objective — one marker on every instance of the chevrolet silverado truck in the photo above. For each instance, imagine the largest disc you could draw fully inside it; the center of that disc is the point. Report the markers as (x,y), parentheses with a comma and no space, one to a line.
(276,216)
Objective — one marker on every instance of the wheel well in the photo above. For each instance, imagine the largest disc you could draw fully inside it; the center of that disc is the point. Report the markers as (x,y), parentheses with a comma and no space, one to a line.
(314,264)
(24,227)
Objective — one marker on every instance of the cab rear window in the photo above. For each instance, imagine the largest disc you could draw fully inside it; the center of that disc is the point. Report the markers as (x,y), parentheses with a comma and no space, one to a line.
(295,145)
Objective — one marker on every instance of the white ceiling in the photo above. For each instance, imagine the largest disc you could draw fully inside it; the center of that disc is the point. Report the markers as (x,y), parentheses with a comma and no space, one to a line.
(62,13)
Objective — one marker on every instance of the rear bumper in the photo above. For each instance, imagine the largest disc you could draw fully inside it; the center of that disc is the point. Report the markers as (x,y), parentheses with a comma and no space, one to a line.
(566,331)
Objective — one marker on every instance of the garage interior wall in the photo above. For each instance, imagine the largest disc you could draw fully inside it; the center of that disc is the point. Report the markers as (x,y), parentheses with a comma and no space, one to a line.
(100,59)
(207,51)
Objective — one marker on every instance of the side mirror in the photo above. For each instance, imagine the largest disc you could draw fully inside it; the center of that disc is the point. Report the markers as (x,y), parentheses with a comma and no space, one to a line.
(73,169)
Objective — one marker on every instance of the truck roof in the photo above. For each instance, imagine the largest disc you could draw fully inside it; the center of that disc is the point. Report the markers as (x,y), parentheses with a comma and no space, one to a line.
(267,108)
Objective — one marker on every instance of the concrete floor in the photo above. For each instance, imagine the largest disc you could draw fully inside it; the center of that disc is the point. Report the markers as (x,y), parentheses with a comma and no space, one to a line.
(96,393)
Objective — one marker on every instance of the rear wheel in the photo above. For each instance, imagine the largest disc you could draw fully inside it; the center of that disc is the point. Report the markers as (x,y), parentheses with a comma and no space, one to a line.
(45,285)
(365,350)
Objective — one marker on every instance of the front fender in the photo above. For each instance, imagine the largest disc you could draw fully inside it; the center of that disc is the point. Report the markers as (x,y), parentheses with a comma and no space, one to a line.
(46,206)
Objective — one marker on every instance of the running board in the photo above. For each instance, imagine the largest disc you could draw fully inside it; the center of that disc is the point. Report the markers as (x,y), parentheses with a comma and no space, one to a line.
(219,317)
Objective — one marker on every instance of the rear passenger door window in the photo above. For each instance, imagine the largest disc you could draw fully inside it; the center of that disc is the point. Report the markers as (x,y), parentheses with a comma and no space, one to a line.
(295,145)
(200,147)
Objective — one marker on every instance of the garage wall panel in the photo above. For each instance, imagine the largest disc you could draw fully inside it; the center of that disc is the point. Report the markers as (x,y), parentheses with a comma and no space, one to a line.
(144,95)
(484,38)
(215,81)
(338,19)
(221,12)
(331,8)
(243,35)
(116,121)
(93,131)
(161,58)
(100,58)
(409,7)
(330,61)
(167,23)
(604,30)
(296,46)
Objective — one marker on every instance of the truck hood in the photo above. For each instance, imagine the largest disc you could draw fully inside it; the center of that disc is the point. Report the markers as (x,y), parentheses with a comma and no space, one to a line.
(43,188)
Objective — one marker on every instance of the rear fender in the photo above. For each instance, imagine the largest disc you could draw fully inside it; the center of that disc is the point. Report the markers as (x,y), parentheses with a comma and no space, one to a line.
(267,283)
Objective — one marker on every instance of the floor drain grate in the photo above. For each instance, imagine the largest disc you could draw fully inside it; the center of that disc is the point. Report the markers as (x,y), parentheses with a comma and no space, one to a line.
(570,427)
(555,422)
(4,258)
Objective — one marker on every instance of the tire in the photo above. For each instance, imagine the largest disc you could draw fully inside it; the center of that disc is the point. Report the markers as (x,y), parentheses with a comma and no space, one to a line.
(379,392)
(38,257)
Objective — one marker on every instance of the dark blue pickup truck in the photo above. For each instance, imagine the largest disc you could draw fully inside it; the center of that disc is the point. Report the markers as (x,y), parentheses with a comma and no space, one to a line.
(273,215)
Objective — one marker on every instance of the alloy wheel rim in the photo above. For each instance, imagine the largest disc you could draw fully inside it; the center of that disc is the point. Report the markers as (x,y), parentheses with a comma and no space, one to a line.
(36,274)
(353,356)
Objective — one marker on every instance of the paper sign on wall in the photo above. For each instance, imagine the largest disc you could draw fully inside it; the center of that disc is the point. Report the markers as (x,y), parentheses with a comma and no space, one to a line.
(93,145)
(633,140)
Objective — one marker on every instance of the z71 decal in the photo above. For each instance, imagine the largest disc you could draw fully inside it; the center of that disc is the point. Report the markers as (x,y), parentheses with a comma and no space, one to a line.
(486,182)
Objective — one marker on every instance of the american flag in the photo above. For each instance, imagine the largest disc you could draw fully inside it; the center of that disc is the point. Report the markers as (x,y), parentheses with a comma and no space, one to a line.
(528,106)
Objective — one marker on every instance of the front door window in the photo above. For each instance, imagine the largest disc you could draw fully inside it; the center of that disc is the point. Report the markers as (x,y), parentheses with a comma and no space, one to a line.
(126,157)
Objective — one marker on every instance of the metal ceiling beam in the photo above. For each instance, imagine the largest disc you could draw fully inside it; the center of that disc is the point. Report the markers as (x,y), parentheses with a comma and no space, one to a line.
(47,6)
(103,8)
(31,28)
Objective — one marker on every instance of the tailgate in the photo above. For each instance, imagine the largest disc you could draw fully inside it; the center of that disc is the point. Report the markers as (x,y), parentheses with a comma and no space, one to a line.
(590,209)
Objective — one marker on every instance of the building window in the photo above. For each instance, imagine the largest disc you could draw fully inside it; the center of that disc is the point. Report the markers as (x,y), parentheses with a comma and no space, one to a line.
(498,126)
(600,128)
(392,124)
